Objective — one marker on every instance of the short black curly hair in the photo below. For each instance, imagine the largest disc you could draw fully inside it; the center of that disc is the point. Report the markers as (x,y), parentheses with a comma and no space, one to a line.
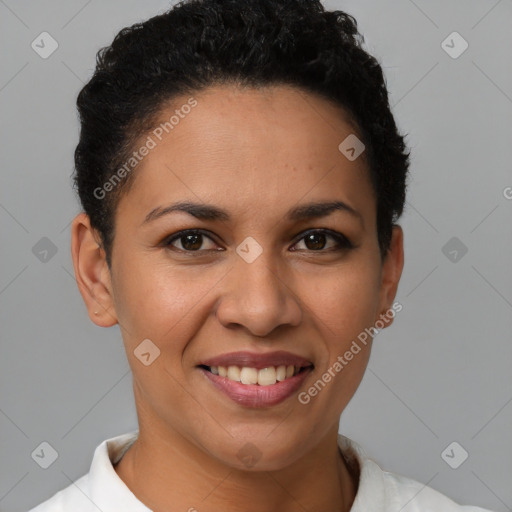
(255,43)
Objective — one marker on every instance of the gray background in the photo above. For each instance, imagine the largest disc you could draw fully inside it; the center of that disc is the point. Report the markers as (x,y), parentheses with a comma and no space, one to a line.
(440,374)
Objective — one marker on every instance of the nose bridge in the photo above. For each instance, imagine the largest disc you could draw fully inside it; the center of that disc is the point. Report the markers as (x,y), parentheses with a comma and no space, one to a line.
(258,297)
(260,280)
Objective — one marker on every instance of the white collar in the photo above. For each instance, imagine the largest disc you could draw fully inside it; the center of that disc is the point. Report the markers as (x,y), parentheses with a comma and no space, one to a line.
(379,491)
(107,491)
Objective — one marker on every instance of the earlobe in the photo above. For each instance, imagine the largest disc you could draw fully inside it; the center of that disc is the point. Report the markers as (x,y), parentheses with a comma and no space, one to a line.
(91,272)
(390,276)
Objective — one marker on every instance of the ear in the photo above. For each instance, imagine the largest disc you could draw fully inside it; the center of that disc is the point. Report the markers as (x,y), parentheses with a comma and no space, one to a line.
(91,272)
(390,275)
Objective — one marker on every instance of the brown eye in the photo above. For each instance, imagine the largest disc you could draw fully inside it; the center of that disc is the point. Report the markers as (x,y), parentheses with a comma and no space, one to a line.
(316,241)
(190,241)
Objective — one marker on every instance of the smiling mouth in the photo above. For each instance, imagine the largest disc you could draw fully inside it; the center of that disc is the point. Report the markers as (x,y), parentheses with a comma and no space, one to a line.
(267,376)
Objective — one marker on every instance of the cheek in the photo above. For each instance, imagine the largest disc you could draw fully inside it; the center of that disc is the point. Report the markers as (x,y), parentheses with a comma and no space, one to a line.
(345,306)
(342,306)
(162,303)
(344,302)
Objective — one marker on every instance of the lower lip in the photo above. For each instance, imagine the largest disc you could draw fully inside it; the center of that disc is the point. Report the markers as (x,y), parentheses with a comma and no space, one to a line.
(254,395)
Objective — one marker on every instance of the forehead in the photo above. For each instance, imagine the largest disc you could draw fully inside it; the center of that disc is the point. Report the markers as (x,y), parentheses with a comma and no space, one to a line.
(256,150)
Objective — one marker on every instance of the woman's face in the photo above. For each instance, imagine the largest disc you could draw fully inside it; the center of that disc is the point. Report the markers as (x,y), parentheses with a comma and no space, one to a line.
(253,280)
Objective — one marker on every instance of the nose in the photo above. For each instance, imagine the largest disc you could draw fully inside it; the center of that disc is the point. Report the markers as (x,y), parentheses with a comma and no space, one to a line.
(257,297)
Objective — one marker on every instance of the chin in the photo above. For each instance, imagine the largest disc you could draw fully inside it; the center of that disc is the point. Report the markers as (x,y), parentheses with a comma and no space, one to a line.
(259,451)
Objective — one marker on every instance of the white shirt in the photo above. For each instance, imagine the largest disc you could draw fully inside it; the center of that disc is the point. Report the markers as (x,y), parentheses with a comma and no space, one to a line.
(379,491)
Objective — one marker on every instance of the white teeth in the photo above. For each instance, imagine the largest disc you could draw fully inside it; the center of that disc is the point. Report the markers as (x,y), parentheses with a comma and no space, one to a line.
(248,375)
(264,377)
(233,373)
(267,376)
(281,373)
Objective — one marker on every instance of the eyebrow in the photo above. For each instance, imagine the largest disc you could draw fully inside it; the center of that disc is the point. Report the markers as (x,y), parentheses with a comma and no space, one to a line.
(306,211)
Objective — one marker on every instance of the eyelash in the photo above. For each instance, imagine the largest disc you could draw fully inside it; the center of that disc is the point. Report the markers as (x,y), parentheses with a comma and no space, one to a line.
(343,243)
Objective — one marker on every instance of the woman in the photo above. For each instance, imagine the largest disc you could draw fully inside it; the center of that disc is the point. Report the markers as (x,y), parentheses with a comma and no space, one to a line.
(241,176)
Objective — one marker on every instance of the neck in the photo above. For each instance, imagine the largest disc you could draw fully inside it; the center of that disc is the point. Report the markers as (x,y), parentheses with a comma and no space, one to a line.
(165,471)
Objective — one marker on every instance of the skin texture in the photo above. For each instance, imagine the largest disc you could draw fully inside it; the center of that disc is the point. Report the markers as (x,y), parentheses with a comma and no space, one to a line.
(255,153)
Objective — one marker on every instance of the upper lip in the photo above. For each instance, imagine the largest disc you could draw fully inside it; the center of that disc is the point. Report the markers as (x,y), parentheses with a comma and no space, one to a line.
(255,360)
